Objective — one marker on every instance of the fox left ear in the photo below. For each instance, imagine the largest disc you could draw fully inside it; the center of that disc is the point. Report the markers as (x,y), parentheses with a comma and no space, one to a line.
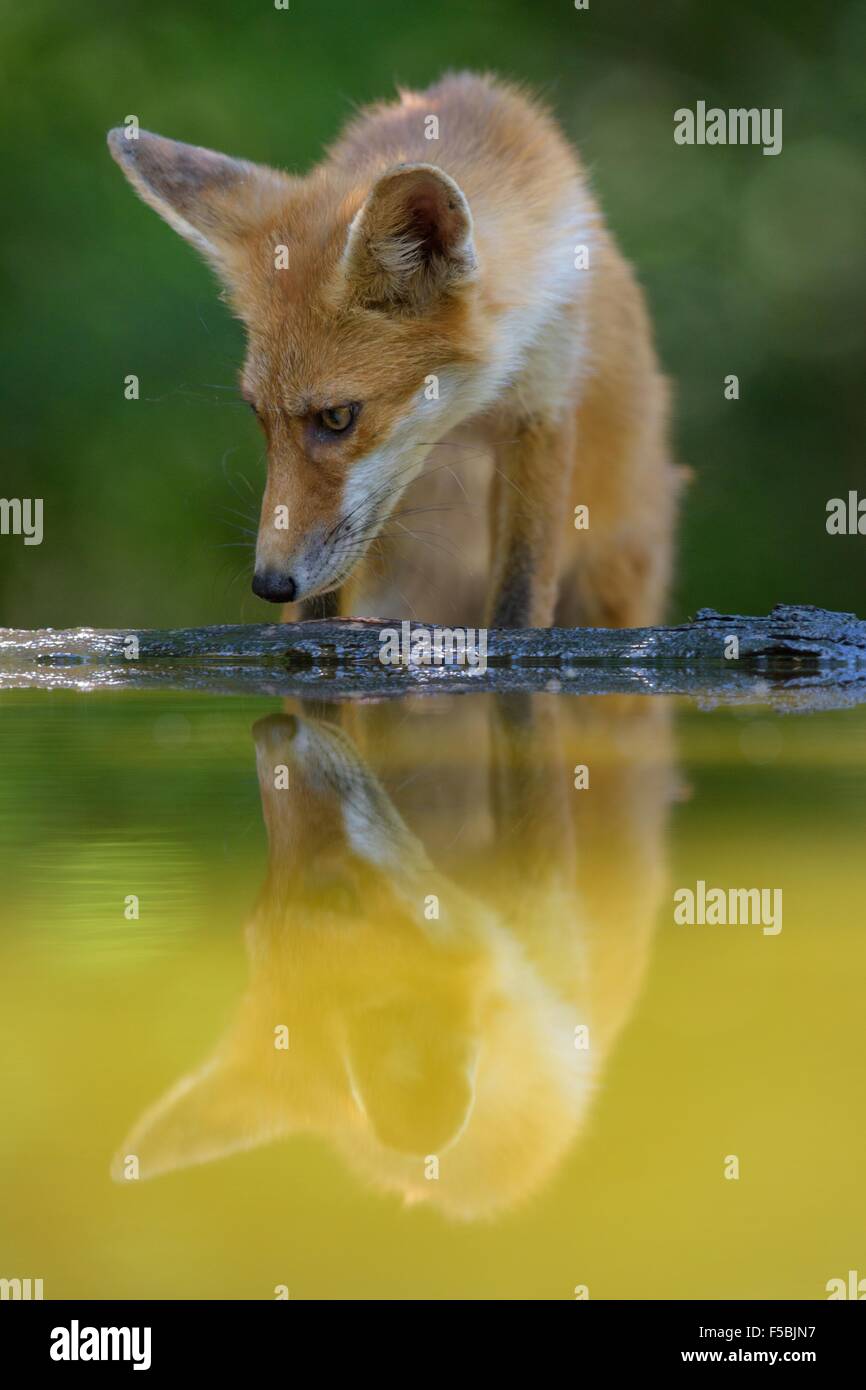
(411,241)
(210,199)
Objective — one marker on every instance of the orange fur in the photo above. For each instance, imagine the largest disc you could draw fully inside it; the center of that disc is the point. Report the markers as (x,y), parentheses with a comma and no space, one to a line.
(451,1034)
(431,285)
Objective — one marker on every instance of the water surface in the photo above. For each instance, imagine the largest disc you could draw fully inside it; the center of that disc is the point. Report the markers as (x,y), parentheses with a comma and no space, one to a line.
(405,1013)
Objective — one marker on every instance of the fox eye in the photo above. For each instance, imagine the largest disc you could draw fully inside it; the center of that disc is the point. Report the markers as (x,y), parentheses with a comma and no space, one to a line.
(337,418)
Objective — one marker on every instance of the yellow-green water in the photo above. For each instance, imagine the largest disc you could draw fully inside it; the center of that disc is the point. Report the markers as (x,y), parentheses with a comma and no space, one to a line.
(431,1130)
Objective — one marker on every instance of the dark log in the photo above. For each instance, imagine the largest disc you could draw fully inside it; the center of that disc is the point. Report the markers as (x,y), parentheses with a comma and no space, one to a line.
(799,657)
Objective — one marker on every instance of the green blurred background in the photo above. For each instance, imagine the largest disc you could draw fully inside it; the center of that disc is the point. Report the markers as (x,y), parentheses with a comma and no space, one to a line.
(752,265)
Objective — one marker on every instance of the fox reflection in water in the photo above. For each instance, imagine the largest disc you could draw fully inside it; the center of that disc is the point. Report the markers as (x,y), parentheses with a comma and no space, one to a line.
(460,1036)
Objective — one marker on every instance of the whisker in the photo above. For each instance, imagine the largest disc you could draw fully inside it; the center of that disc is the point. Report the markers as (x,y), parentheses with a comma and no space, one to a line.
(458,444)
(389,487)
(512,483)
(224,470)
(244,516)
(420,536)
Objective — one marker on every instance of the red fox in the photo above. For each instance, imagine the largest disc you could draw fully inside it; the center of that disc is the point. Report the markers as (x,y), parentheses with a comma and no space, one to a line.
(446,266)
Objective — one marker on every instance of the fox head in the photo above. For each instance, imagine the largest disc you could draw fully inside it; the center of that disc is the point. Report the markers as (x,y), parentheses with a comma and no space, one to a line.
(360,298)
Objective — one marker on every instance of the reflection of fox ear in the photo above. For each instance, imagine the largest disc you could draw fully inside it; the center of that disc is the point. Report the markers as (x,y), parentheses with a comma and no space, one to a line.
(218,1110)
(412,1075)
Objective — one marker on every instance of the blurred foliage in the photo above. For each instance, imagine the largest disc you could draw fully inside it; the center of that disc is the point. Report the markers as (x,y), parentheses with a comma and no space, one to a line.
(753,265)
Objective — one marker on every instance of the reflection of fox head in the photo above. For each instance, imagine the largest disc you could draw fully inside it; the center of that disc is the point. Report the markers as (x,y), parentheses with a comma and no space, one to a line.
(412,1035)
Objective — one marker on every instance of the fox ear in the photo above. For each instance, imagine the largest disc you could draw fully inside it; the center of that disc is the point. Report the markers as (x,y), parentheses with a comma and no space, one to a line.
(219,1110)
(411,241)
(412,1076)
(213,201)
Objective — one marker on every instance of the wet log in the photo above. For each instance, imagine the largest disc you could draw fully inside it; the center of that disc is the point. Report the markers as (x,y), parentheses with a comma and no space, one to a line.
(797,657)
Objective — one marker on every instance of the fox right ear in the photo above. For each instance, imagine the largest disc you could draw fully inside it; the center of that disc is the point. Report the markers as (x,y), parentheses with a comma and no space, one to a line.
(211,200)
(411,241)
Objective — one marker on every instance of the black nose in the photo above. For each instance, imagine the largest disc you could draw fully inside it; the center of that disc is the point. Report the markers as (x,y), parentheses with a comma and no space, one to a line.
(276,588)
